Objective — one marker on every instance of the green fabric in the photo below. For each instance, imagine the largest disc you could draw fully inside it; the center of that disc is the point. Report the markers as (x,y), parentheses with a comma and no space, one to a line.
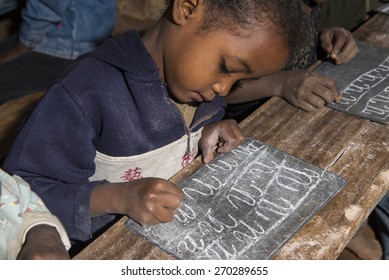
(346,13)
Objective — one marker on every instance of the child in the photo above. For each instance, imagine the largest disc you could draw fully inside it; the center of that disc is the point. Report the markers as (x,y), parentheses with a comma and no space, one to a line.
(134,112)
(304,89)
(28,230)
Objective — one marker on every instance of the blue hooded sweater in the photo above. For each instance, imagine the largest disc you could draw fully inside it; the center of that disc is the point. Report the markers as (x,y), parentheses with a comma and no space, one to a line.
(107,119)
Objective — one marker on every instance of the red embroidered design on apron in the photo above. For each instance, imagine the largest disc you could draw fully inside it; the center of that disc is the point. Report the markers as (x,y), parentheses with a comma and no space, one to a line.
(132,174)
(187,158)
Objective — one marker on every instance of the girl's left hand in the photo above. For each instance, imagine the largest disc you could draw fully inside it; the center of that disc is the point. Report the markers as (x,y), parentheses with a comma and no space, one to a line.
(223,136)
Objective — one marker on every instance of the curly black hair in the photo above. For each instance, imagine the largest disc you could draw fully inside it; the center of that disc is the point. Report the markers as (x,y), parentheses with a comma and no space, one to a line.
(283,17)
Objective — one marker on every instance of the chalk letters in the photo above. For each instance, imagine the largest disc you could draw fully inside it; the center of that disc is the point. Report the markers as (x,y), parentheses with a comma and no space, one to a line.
(243,205)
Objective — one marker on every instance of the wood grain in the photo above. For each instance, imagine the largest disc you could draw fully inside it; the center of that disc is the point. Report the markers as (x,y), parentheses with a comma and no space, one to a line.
(375,31)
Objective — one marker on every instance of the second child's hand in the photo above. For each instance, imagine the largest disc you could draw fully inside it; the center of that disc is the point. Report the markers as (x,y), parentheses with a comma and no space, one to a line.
(339,44)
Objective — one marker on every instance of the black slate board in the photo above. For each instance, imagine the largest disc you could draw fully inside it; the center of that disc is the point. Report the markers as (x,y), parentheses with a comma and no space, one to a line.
(364,83)
(382,9)
(243,205)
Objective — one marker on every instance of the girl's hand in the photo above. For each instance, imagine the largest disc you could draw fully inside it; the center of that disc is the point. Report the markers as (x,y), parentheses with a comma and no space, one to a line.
(153,200)
(148,201)
(223,136)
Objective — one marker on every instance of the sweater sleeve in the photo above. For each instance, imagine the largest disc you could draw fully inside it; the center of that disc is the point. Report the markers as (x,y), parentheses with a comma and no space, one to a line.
(54,153)
(32,219)
(38,18)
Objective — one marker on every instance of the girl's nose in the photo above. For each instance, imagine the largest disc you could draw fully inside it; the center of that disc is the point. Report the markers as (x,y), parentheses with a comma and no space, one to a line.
(222,88)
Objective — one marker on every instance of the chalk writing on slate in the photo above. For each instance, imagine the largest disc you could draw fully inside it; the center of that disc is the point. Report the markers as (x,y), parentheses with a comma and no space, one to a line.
(364,83)
(243,205)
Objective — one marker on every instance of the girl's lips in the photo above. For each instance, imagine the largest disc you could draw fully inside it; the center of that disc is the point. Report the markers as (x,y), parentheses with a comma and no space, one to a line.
(197,97)
(200,97)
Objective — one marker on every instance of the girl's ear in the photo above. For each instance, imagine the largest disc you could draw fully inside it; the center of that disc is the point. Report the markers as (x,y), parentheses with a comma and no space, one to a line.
(183,10)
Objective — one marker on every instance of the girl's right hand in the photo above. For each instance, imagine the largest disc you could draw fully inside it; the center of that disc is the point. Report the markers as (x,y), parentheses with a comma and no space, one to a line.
(148,201)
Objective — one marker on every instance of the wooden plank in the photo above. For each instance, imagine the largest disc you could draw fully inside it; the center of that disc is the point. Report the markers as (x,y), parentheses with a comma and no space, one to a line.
(12,114)
(367,155)
(114,245)
(267,120)
(312,136)
(375,31)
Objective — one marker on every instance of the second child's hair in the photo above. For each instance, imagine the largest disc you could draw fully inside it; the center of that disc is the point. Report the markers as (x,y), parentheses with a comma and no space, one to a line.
(283,17)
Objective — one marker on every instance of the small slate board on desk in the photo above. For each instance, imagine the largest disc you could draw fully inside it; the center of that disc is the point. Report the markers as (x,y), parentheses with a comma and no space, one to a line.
(382,9)
(243,205)
(364,82)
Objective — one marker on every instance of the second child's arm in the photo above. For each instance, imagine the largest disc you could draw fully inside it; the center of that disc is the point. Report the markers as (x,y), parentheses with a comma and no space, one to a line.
(304,89)
(301,88)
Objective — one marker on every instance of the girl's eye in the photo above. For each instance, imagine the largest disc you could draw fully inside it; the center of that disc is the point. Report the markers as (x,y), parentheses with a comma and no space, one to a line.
(224,70)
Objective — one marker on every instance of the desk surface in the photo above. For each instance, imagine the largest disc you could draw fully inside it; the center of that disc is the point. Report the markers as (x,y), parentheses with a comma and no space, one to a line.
(354,148)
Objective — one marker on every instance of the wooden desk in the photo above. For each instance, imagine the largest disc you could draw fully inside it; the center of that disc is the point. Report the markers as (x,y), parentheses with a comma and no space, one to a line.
(352,147)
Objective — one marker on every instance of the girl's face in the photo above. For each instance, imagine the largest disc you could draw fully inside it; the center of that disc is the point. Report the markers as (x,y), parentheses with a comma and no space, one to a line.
(199,67)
